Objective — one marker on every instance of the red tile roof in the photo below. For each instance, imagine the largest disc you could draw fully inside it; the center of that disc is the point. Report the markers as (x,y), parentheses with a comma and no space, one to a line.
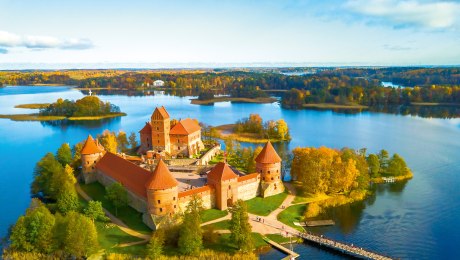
(248,177)
(131,176)
(161,178)
(147,129)
(185,127)
(194,191)
(90,146)
(268,154)
(221,172)
(162,112)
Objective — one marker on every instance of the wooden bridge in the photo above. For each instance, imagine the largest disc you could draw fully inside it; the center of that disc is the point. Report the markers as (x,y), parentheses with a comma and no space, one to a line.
(344,248)
(291,254)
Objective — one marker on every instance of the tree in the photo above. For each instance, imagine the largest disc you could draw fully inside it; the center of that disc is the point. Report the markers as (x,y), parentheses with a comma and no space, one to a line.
(122,141)
(383,160)
(156,244)
(64,154)
(76,162)
(44,171)
(109,141)
(190,235)
(374,165)
(95,211)
(117,194)
(63,184)
(76,234)
(240,228)
(397,166)
(34,230)
(133,141)
(282,130)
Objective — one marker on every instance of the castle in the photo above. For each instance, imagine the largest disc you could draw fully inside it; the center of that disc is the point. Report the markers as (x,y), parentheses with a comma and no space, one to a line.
(173,137)
(161,193)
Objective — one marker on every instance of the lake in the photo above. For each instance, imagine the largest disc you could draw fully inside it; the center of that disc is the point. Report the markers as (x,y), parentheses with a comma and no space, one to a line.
(418,219)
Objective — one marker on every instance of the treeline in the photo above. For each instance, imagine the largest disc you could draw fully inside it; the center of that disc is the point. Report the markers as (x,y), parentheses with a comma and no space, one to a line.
(271,129)
(329,171)
(87,106)
(372,96)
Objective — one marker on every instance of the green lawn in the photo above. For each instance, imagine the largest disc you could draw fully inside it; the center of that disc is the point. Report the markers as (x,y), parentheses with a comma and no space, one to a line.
(224,224)
(263,206)
(211,214)
(226,245)
(279,238)
(128,215)
(292,214)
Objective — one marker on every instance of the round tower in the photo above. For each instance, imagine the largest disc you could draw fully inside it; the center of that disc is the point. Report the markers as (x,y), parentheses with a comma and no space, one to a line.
(268,165)
(162,191)
(91,153)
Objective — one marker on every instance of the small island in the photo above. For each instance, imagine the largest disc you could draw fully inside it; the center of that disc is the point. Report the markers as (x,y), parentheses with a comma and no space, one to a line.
(251,130)
(241,95)
(87,108)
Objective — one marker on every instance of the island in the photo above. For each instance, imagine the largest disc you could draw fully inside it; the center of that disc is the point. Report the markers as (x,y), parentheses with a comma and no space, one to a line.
(241,95)
(86,108)
(260,100)
(118,200)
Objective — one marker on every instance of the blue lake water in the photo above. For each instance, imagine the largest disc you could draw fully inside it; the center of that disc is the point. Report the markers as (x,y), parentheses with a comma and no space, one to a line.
(416,220)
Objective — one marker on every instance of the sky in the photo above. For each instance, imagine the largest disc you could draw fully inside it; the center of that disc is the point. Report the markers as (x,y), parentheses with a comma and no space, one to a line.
(47,33)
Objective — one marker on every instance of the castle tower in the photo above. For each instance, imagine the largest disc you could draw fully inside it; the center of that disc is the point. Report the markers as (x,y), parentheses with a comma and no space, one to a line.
(225,181)
(91,153)
(162,192)
(160,124)
(268,165)
(146,138)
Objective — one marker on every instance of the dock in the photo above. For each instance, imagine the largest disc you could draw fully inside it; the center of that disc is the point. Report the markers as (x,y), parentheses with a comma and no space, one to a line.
(291,254)
(315,223)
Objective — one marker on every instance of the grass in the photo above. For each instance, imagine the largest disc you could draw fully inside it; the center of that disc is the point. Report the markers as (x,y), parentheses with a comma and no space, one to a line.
(292,214)
(233,99)
(264,206)
(128,215)
(226,245)
(36,117)
(314,198)
(211,214)
(33,106)
(279,238)
(221,225)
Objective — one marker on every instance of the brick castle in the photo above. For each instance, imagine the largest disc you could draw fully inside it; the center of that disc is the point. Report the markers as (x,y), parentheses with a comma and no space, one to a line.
(160,193)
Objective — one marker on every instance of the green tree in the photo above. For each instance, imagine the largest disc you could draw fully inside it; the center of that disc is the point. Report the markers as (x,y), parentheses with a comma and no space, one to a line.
(44,173)
(156,244)
(190,235)
(64,154)
(122,141)
(397,166)
(77,235)
(133,141)
(374,165)
(117,194)
(76,162)
(34,230)
(95,211)
(240,228)
(384,157)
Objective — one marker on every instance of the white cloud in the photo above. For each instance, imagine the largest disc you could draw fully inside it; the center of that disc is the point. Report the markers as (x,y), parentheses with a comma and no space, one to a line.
(426,14)
(11,40)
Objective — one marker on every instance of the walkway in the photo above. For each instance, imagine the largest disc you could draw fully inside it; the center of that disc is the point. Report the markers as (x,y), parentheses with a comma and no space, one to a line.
(291,254)
(114,219)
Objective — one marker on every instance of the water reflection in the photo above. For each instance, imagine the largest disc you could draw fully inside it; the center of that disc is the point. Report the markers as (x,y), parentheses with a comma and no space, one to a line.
(87,124)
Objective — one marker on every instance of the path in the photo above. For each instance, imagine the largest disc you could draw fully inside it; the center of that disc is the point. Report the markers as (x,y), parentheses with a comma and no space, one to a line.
(114,219)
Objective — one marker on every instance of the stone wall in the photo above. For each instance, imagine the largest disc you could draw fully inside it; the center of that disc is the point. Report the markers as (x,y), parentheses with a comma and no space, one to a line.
(134,200)
(249,189)
(204,160)
(208,197)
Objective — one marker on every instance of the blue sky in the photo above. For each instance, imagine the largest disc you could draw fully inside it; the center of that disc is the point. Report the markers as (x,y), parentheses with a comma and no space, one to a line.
(348,32)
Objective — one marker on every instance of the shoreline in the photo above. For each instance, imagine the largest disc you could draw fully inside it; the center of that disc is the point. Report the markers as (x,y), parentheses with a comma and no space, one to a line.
(36,117)
(226,132)
(267,100)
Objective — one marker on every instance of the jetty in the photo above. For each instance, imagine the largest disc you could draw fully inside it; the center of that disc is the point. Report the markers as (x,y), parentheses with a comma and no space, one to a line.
(315,223)
(291,254)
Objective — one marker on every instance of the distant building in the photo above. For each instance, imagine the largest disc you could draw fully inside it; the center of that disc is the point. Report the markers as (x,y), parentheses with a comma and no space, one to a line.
(171,136)
(158,83)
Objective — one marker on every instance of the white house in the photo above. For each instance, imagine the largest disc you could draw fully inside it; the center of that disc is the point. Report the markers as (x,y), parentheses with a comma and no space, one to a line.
(158,83)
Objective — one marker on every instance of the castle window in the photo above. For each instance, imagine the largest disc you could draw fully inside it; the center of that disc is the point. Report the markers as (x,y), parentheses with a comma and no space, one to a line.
(94,161)
(158,128)
(158,141)
(260,171)
(229,186)
(268,171)
(272,178)
(161,209)
(87,162)
(92,168)
(174,198)
(174,206)
(158,201)
(277,171)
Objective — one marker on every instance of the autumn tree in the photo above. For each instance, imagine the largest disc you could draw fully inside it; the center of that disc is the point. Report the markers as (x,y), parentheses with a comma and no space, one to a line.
(156,244)
(109,141)
(122,142)
(282,130)
(240,228)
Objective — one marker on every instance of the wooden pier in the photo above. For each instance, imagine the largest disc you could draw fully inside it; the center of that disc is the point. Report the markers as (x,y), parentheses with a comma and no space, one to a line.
(315,223)
(291,254)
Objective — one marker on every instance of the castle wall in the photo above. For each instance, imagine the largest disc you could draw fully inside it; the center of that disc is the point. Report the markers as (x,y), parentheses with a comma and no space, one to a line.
(208,197)
(204,160)
(249,189)
(162,202)
(134,200)
(270,172)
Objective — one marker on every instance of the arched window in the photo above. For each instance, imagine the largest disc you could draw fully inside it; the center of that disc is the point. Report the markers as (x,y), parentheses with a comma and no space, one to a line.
(158,201)
(161,209)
